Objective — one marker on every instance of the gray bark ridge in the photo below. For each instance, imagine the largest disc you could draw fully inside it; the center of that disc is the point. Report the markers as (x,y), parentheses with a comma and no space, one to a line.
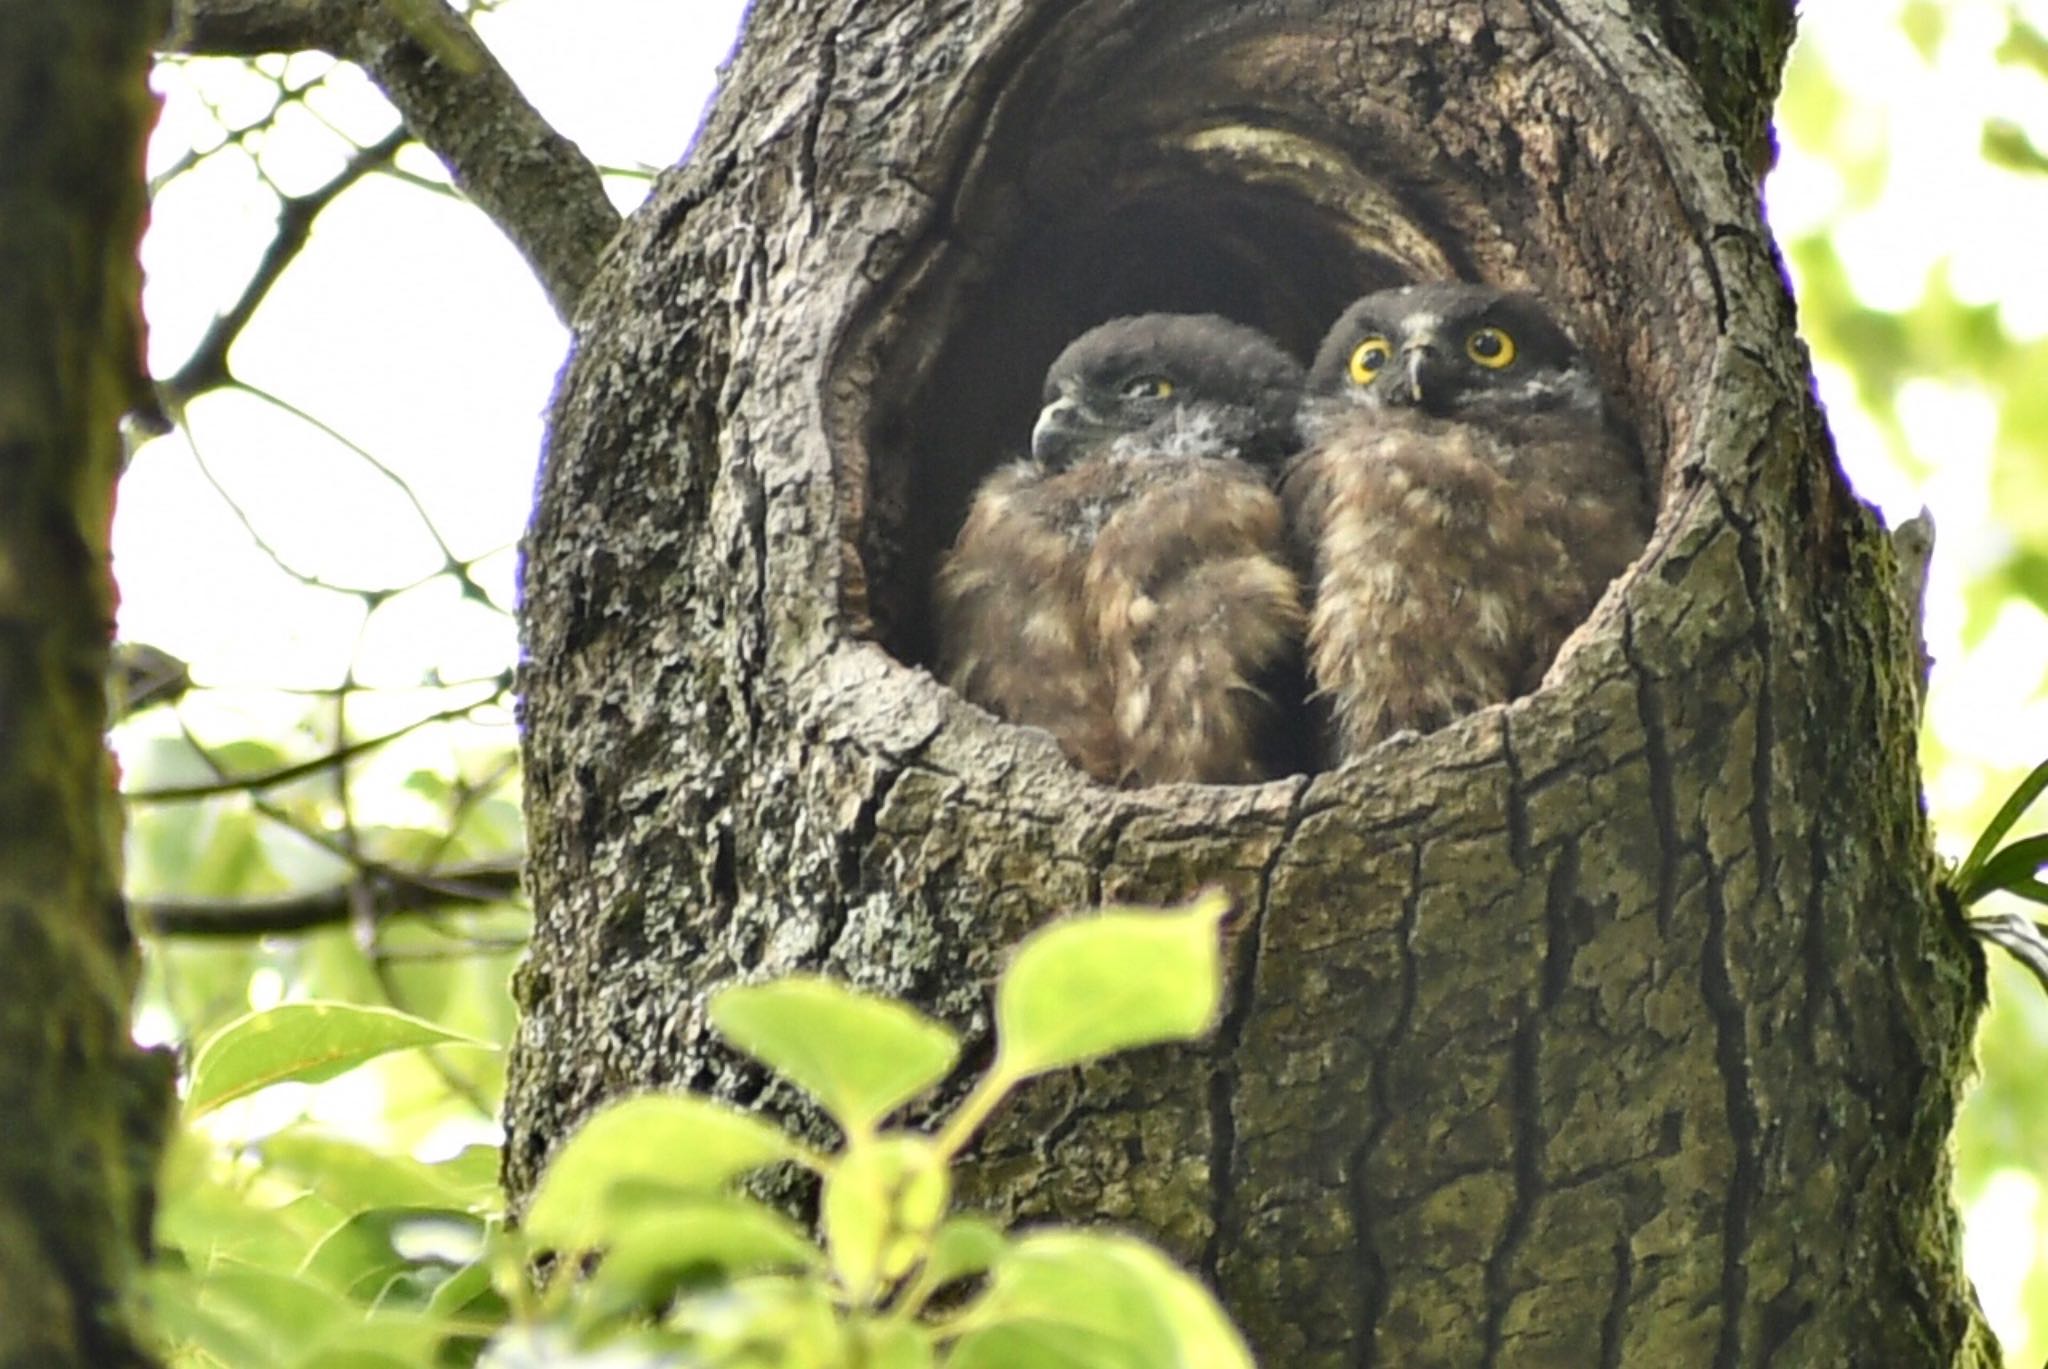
(1620,1025)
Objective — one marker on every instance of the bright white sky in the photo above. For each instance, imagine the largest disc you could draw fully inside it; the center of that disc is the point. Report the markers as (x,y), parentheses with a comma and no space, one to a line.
(413,328)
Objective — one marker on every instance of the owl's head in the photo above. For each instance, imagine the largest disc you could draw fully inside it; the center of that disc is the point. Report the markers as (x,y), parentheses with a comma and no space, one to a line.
(1189,384)
(1453,351)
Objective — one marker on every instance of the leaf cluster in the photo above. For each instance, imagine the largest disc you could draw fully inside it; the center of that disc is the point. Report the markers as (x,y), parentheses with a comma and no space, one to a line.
(640,1247)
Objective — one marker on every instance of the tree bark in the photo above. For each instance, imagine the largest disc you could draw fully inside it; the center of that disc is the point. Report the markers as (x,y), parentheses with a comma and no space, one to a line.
(1623,1024)
(85,1111)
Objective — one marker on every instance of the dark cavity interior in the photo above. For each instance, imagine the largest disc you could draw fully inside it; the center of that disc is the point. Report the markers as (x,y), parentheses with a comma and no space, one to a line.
(1103,188)
(949,413)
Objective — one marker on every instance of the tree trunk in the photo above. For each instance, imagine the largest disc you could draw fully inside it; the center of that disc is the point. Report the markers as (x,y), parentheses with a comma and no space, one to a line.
(1618,1025)
(84,1110)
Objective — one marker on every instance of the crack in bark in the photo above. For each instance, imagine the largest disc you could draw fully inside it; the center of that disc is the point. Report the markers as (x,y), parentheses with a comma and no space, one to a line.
(1518,799)
(1223,1080)
(1749,559)
(1657,756)
(854,842)
(826,45)
(1375,1288)
(1105,857)
(1525,1079)
(1613,1323)
(1731,1050)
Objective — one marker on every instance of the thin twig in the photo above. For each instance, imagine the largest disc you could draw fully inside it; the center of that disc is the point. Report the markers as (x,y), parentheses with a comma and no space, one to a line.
(285,774)
(207,367)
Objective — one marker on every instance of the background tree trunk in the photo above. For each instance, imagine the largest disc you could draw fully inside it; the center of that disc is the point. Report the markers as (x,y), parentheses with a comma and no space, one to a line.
(84,1110)
(1619,1025)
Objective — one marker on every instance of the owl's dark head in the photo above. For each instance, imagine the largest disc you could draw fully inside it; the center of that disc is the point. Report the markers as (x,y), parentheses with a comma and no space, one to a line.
(1453,351)
(1195,384)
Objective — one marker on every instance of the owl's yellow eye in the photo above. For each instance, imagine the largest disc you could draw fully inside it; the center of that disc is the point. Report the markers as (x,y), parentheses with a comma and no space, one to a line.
(1491,348)
(1148,387)
(1369,358)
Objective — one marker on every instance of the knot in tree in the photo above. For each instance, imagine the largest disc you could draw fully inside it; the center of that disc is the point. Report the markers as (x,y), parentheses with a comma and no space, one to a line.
(1616,1024)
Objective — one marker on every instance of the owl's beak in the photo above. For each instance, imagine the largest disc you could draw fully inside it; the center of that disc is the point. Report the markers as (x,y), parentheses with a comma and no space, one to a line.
(1054,431)
(1422,374)
(1417,358)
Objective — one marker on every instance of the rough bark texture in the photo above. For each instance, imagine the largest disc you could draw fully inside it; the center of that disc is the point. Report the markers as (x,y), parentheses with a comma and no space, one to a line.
(85,1111)
(1617,1026)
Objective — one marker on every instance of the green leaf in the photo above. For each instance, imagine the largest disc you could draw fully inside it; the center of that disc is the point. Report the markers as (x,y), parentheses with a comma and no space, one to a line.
(302,1043)
(895,1345)
(356,1178)
(213,1223)
(2024,45)
(652,1252)
(2017,803)
(369,1257)
(1094,1300)
(1083,988)
(2005,143)
(962,1247)
(188,1332)
(2014,870)
(730,1325)
(289,1308)
(653,1144)
(882,1201)
(861,1056)
(383,1341)
(469,1295)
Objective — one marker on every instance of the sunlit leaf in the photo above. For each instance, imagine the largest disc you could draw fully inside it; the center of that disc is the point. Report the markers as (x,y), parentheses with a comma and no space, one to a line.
(355,1177)
(895,1345)
(2015,869)
(2024,45)
(1099,1301)
(882,1201)
(2006,144)
(2009,812)
(367,1257)
(190,1331)
(660,1144)
(1123,978)
(648,1253)
(861,1056)
(384,1341)
(278,1312)
(963,1246)
(303,1043)
(726,1325)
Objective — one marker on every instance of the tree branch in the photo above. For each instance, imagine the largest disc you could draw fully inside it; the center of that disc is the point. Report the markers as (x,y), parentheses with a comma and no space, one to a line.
(531,181)
(249,28)
(389,892)
(286,774)
(207,367)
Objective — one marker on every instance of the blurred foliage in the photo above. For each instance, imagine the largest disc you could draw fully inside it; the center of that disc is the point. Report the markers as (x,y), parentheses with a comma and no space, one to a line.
(1909,205)
(327,809)
(309,1250)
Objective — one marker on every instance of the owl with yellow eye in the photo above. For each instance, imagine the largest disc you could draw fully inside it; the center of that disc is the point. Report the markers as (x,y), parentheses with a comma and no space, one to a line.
(1128,588)
(1462,499)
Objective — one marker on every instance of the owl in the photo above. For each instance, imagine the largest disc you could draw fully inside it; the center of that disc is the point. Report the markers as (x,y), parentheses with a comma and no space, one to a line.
(1129,588)
(1462,498)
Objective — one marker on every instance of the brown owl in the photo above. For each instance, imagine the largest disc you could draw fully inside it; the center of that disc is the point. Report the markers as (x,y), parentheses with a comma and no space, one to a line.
(1463,498)
(1129,588)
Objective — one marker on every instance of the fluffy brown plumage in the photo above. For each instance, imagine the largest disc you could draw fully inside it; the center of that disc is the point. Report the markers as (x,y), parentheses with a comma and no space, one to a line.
(1128,588)
(1463,499)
